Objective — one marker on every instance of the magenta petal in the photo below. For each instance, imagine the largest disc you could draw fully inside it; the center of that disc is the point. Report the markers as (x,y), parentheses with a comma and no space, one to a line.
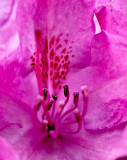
(6,8)
(12,83)
(107,106)
(14,113)
(109,55)
(6,151)
(53,41)
(69,24)
(25,138)
(16,118)
(107,103)
(113,17)
(88,146)
(9,40)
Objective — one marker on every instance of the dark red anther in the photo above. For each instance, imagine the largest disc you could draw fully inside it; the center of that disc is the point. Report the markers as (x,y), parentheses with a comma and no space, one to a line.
(76,97)
(77,116)
(66,90)
(45,92)
(54,97)
(50,104)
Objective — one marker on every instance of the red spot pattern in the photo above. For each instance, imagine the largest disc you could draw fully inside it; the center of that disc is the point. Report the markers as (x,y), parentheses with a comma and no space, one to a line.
(54,58)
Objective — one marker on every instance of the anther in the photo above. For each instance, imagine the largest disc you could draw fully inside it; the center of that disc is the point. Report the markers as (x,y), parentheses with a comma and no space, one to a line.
(66,90)
(76,97)
(77,115)
(45,92)
(84,92)
(50,104)
(54,97)
(61,106)
(85,99)
(38,103)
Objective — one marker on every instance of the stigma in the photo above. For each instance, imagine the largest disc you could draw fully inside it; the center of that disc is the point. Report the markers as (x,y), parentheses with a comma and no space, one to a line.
(55,119)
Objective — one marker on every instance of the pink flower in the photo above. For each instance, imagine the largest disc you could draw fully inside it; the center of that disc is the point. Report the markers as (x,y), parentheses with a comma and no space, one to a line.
(42,119)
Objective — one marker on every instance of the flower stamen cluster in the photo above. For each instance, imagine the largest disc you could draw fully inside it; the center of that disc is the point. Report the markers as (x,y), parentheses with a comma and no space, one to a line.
(54,117)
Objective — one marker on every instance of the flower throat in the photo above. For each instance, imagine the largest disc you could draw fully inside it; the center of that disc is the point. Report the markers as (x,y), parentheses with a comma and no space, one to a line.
(51,62)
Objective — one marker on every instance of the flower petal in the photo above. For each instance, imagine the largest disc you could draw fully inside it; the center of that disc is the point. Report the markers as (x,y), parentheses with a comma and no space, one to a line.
(102,2)
(26,142)
(74,23)
(109,55)
(92,147)
(9,39)
(60,40)
(89,146)
(14,113)
(107,104)
(6,8)
(6,151)
(113,17)
(13,84)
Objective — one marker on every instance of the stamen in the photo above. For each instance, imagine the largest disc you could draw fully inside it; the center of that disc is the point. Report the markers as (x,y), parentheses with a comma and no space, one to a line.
(77,115)
(43,126)
(63,104)
(85,99)
(48,107)
(60,109)
(53,108)
(79,122)
(84,92)
(46,112)
(57,119)
(44,133)
(66,90)
(50,104)
(54,122)
(76,97)
(45,92)
(54,97)
(38,103)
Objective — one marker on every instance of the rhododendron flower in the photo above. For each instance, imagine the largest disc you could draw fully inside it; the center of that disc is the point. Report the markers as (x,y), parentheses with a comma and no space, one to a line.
(63,91)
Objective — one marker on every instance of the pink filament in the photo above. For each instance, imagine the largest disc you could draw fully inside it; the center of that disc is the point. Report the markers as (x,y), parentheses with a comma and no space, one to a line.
(57,120)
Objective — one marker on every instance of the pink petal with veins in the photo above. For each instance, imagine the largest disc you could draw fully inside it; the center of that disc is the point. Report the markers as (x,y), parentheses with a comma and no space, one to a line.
(6,151)
(56,40)
(107,103)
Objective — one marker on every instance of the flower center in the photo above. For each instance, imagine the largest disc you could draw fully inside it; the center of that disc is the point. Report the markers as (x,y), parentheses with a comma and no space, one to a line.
(55,118)
(51,63)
